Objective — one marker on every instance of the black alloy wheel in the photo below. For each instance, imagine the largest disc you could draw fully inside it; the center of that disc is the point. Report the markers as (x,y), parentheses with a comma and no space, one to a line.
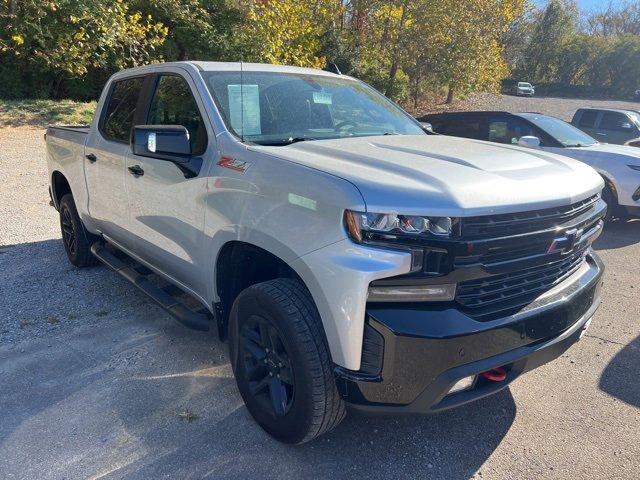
(75,237)
(267,365)
(69,236)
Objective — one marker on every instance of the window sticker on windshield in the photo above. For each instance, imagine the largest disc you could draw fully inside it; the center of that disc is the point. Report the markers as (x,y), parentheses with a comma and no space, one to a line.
(244,109)
(322,97)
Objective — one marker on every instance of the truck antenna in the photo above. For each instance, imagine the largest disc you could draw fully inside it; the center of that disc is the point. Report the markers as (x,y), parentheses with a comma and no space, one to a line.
(241,103)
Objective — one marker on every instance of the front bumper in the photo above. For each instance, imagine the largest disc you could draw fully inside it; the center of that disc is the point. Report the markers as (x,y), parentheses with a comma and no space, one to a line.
(427,350)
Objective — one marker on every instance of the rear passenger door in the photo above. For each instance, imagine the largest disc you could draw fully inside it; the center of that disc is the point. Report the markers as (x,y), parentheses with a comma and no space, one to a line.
(587,122)
(616,127)
(166,208)
(105,159)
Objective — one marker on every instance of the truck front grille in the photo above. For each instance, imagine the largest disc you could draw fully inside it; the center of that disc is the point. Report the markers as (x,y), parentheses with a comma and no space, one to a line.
(506,225)
(497,295)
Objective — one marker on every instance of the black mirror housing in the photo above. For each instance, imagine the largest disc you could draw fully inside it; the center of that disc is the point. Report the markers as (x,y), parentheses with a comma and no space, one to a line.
(166,142)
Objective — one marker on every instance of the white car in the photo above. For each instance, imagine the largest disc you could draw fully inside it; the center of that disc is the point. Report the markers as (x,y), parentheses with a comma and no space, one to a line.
(618,165)
(525,89)
(349,257)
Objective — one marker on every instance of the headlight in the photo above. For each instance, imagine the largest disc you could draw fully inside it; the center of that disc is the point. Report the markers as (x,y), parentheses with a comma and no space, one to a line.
(362,226)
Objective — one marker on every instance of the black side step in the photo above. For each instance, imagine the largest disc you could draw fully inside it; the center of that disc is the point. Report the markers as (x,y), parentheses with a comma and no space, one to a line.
(196,320)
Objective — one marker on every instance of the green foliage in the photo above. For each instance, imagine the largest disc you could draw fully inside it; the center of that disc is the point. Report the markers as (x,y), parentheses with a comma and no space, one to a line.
(68,48)
(285,32)
(604,56)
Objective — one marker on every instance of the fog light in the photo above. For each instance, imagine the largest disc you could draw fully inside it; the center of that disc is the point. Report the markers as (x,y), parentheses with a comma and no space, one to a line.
(412,293)
(463,384)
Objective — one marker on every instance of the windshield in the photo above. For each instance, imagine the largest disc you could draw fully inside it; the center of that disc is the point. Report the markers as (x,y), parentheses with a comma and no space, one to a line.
(276,108)
(566,134)
(524,84)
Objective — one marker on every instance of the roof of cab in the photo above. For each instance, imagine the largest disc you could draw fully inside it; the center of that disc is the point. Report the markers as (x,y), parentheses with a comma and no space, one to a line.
(227,67)
(258,67)
(615,110)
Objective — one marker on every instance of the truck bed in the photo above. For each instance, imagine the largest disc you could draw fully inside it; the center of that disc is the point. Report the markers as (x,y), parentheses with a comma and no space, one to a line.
(55,129)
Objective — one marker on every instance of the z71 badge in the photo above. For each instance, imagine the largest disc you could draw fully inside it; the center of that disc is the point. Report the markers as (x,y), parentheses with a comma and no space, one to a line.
(234,164)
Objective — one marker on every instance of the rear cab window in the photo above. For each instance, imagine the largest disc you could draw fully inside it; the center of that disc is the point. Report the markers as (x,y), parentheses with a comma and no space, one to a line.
(119,112)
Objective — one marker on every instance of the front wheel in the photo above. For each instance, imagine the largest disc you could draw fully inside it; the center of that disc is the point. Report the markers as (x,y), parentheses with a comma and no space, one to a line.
(612,204)
(281,361)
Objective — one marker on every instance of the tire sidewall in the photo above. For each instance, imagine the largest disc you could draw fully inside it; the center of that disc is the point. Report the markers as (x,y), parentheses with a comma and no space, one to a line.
(83,256)
(610,199)
(294,425)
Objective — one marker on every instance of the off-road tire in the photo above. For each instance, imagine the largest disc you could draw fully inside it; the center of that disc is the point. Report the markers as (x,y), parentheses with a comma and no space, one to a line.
(287,305)
(79,247)
(612,203)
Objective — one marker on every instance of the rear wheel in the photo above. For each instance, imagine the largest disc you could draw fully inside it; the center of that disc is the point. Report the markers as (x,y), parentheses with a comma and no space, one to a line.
(281,361)
(76,239)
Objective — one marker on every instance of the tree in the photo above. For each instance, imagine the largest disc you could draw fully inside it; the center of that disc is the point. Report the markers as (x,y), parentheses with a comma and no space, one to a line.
(70,37)
(196,29)
(465,41)
(555,27)
(285,32)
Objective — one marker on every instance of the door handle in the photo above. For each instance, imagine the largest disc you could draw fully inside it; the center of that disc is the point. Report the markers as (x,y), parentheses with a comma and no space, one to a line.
(602,134)
(91,157)
(136,170)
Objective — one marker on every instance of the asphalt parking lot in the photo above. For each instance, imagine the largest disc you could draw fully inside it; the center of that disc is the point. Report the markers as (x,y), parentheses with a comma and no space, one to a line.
(96,382)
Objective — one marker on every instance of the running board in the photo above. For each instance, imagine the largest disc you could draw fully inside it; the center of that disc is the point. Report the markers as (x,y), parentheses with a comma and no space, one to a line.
(137,275)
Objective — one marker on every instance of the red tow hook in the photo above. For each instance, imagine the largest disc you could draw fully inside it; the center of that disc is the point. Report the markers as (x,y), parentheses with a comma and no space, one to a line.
(497,374)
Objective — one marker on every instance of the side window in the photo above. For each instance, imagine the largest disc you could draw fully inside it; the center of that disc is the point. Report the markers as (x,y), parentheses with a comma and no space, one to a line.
(508,130)
(613,121)
(467,127)
(121,108)
(588,118)
(173,104)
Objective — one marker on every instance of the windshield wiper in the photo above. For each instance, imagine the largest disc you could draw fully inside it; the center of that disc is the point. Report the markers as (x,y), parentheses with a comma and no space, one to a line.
(283,142)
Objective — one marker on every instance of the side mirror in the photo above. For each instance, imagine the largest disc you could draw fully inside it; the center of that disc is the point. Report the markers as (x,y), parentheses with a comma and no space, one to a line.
(427,127)
(529,141)
(166,142)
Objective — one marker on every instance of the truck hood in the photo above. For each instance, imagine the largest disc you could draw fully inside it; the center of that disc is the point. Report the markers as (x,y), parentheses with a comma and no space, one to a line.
(440,175)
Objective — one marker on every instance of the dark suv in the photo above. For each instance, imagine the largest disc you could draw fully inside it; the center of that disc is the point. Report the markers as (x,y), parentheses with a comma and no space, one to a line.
(608,125)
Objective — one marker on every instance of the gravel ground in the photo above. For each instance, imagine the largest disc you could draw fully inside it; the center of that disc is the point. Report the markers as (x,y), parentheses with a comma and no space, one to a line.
(96,382)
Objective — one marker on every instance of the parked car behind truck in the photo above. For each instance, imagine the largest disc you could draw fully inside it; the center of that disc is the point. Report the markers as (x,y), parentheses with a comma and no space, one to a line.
(351,259)
(618,165)
(608,125)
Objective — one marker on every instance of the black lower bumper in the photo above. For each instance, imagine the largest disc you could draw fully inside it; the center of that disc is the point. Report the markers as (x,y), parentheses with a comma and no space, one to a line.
(427,350)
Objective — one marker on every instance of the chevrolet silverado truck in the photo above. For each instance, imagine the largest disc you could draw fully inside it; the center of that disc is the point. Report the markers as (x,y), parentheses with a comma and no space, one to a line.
(351,260)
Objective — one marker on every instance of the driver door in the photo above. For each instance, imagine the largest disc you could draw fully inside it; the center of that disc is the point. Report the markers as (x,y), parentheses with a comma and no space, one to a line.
(165,204)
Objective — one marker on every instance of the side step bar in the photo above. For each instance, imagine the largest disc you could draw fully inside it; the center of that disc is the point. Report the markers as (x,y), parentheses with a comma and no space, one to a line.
(184,315)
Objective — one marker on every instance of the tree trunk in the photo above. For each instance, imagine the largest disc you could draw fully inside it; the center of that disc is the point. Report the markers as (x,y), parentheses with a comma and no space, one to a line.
(450,94)
(393,71)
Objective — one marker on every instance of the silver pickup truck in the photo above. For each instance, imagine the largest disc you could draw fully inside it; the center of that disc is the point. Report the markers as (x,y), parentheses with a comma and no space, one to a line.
(351,259)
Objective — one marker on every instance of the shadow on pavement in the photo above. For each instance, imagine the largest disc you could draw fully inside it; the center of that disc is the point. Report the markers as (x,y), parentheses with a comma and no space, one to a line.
(620,378)
(619,234)
(116,388)
(450,445)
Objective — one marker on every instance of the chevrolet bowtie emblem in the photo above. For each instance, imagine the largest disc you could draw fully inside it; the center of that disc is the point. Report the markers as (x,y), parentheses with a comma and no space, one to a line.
(567,242)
